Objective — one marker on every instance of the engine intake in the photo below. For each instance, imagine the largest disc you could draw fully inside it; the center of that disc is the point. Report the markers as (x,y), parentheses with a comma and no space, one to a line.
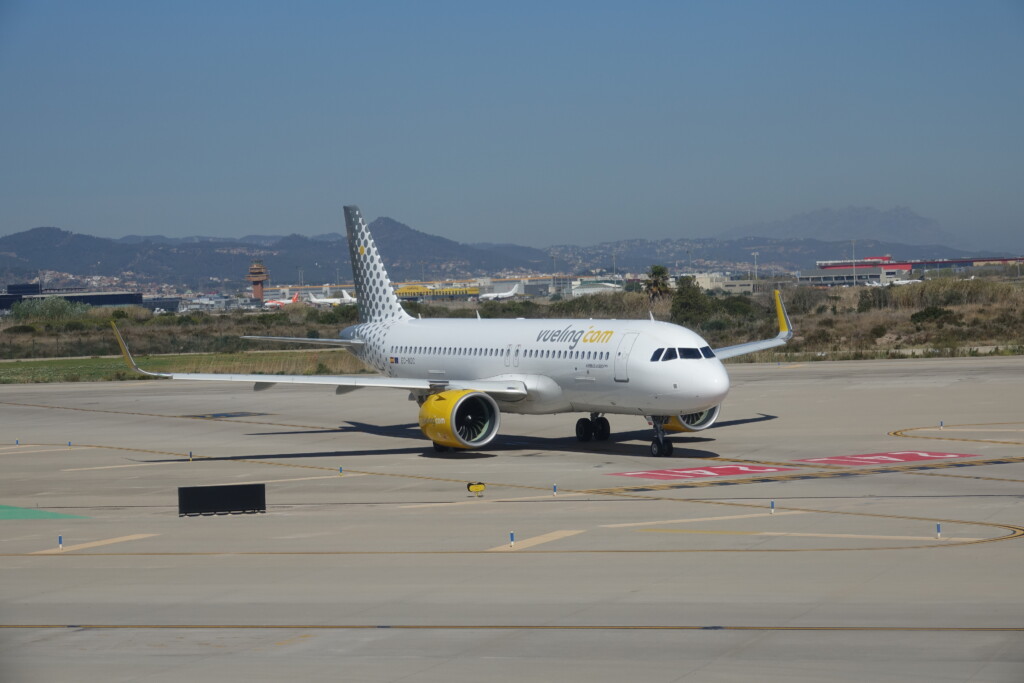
(693,422)
(460,418)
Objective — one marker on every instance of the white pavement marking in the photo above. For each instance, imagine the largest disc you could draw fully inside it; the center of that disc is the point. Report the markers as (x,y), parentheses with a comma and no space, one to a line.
(537,540)
(705,519)
(93,544)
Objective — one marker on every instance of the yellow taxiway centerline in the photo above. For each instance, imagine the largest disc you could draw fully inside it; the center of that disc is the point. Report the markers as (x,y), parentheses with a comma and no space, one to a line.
(705,519)
(278,481)
(495,500)
(522,627)
(805,535)
(62,449)
(93,544)
(537,540)
(117,467)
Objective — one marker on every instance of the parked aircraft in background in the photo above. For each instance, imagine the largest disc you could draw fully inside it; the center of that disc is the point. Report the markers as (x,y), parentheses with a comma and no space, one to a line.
(278,303)
(897,283)
(494,296)
(464,373)
(344,300)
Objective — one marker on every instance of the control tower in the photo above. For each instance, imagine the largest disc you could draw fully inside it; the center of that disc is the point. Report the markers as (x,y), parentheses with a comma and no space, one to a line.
(258,275)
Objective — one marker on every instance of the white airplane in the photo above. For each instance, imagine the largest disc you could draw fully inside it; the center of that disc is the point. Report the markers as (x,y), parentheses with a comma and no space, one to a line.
(344,300)
(495,296)
(278,303)
(464,373)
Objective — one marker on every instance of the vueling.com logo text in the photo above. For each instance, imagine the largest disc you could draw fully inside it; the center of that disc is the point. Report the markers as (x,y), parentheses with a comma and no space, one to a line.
(574,337)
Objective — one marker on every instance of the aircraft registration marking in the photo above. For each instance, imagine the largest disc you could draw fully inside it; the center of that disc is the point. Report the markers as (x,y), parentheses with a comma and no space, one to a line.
(886,458)
(699,472)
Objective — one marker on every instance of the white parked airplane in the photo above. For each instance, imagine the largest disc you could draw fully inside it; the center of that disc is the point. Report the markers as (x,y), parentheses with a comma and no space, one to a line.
(345,299)
(464,373)
(278,303)
(495,296)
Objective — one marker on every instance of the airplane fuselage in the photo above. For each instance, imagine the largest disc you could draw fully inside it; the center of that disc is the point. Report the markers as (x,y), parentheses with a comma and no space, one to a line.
(597,366)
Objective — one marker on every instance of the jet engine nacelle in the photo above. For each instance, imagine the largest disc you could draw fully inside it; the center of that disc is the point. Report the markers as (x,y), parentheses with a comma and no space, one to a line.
(460,418)
(694,422)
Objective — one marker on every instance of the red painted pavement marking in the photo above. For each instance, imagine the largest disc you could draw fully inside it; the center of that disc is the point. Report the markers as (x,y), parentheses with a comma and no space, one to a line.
(886,458)
(695,473)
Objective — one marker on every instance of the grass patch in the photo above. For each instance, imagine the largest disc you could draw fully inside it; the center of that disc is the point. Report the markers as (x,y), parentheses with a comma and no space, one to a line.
(332,362)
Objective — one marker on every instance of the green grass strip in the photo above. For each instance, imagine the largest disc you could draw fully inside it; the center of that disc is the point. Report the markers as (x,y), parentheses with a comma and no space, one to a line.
(9,512)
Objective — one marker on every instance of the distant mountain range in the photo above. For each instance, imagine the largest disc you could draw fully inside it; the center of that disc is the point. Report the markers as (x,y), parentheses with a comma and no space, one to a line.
(899,225)
(194,262)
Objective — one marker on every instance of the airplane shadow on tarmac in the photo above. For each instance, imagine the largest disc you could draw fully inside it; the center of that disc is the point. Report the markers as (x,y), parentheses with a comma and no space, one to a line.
(761,417)
(620,443)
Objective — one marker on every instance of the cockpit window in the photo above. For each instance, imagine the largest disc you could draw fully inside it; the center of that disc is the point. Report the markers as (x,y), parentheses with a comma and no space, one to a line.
(707,352)
(689,353)
(670,354)
(657,354)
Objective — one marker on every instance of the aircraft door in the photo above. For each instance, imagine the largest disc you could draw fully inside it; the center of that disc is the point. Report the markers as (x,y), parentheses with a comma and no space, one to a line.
(508,356)
(515,356)
(622,356)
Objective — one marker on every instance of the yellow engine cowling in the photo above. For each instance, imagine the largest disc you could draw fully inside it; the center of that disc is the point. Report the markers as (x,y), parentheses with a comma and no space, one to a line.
(694,422)
(460,418)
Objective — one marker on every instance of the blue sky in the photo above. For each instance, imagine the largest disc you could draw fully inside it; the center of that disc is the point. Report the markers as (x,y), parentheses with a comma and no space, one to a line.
(529,122)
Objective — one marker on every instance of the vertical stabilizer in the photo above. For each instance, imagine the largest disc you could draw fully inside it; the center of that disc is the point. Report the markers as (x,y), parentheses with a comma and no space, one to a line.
(376,297)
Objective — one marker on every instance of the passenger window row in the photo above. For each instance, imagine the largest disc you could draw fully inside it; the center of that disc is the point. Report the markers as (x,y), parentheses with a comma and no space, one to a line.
(505,352)
(671,353)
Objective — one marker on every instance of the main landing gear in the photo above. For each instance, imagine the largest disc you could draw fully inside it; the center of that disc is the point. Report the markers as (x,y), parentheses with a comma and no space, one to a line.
(660,447)
(595,427)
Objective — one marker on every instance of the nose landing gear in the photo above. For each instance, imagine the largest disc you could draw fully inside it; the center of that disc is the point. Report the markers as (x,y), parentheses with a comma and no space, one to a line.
(660,447)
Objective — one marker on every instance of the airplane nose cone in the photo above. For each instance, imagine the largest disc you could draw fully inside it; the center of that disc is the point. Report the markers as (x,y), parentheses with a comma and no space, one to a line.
(714,382)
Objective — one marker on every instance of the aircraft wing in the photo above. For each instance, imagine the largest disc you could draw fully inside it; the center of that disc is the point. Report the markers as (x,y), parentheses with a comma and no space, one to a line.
(344,343)
(784,335)
(504,390)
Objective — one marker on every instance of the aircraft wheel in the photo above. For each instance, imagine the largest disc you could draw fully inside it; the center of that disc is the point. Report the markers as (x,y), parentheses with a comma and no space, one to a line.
(656,449)
(602,430)
(584,429)
(667,448)
(439,448)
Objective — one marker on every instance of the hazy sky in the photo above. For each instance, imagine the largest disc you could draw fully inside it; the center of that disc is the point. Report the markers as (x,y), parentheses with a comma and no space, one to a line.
(529,122)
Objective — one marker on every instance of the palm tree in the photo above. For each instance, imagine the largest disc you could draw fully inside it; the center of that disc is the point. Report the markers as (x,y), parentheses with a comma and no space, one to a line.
(656,284)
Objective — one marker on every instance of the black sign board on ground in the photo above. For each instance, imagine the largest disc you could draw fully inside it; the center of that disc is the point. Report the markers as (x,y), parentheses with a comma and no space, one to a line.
(209,500)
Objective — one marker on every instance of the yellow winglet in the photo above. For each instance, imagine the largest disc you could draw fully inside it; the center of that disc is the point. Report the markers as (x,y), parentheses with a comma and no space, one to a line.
(129,361)
(785,327)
